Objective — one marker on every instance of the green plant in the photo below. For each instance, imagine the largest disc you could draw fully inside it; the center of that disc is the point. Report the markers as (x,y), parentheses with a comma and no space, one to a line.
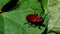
(12,22)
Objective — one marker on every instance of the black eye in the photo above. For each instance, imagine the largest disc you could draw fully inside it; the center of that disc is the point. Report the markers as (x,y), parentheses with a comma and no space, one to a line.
(9,5)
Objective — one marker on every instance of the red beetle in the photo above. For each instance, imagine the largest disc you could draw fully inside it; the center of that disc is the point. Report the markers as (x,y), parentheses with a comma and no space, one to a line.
(34,19)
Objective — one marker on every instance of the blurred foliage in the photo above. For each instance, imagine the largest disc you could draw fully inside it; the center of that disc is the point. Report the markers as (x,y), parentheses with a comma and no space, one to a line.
(14,20)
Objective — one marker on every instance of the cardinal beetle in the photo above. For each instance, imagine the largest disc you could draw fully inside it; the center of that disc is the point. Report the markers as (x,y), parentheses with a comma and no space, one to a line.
(35,20)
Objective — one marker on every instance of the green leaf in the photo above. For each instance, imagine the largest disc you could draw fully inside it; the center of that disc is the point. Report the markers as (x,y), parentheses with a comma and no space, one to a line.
(54,21)
(1,25)
(3,2)
(45,4)
(14,19)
